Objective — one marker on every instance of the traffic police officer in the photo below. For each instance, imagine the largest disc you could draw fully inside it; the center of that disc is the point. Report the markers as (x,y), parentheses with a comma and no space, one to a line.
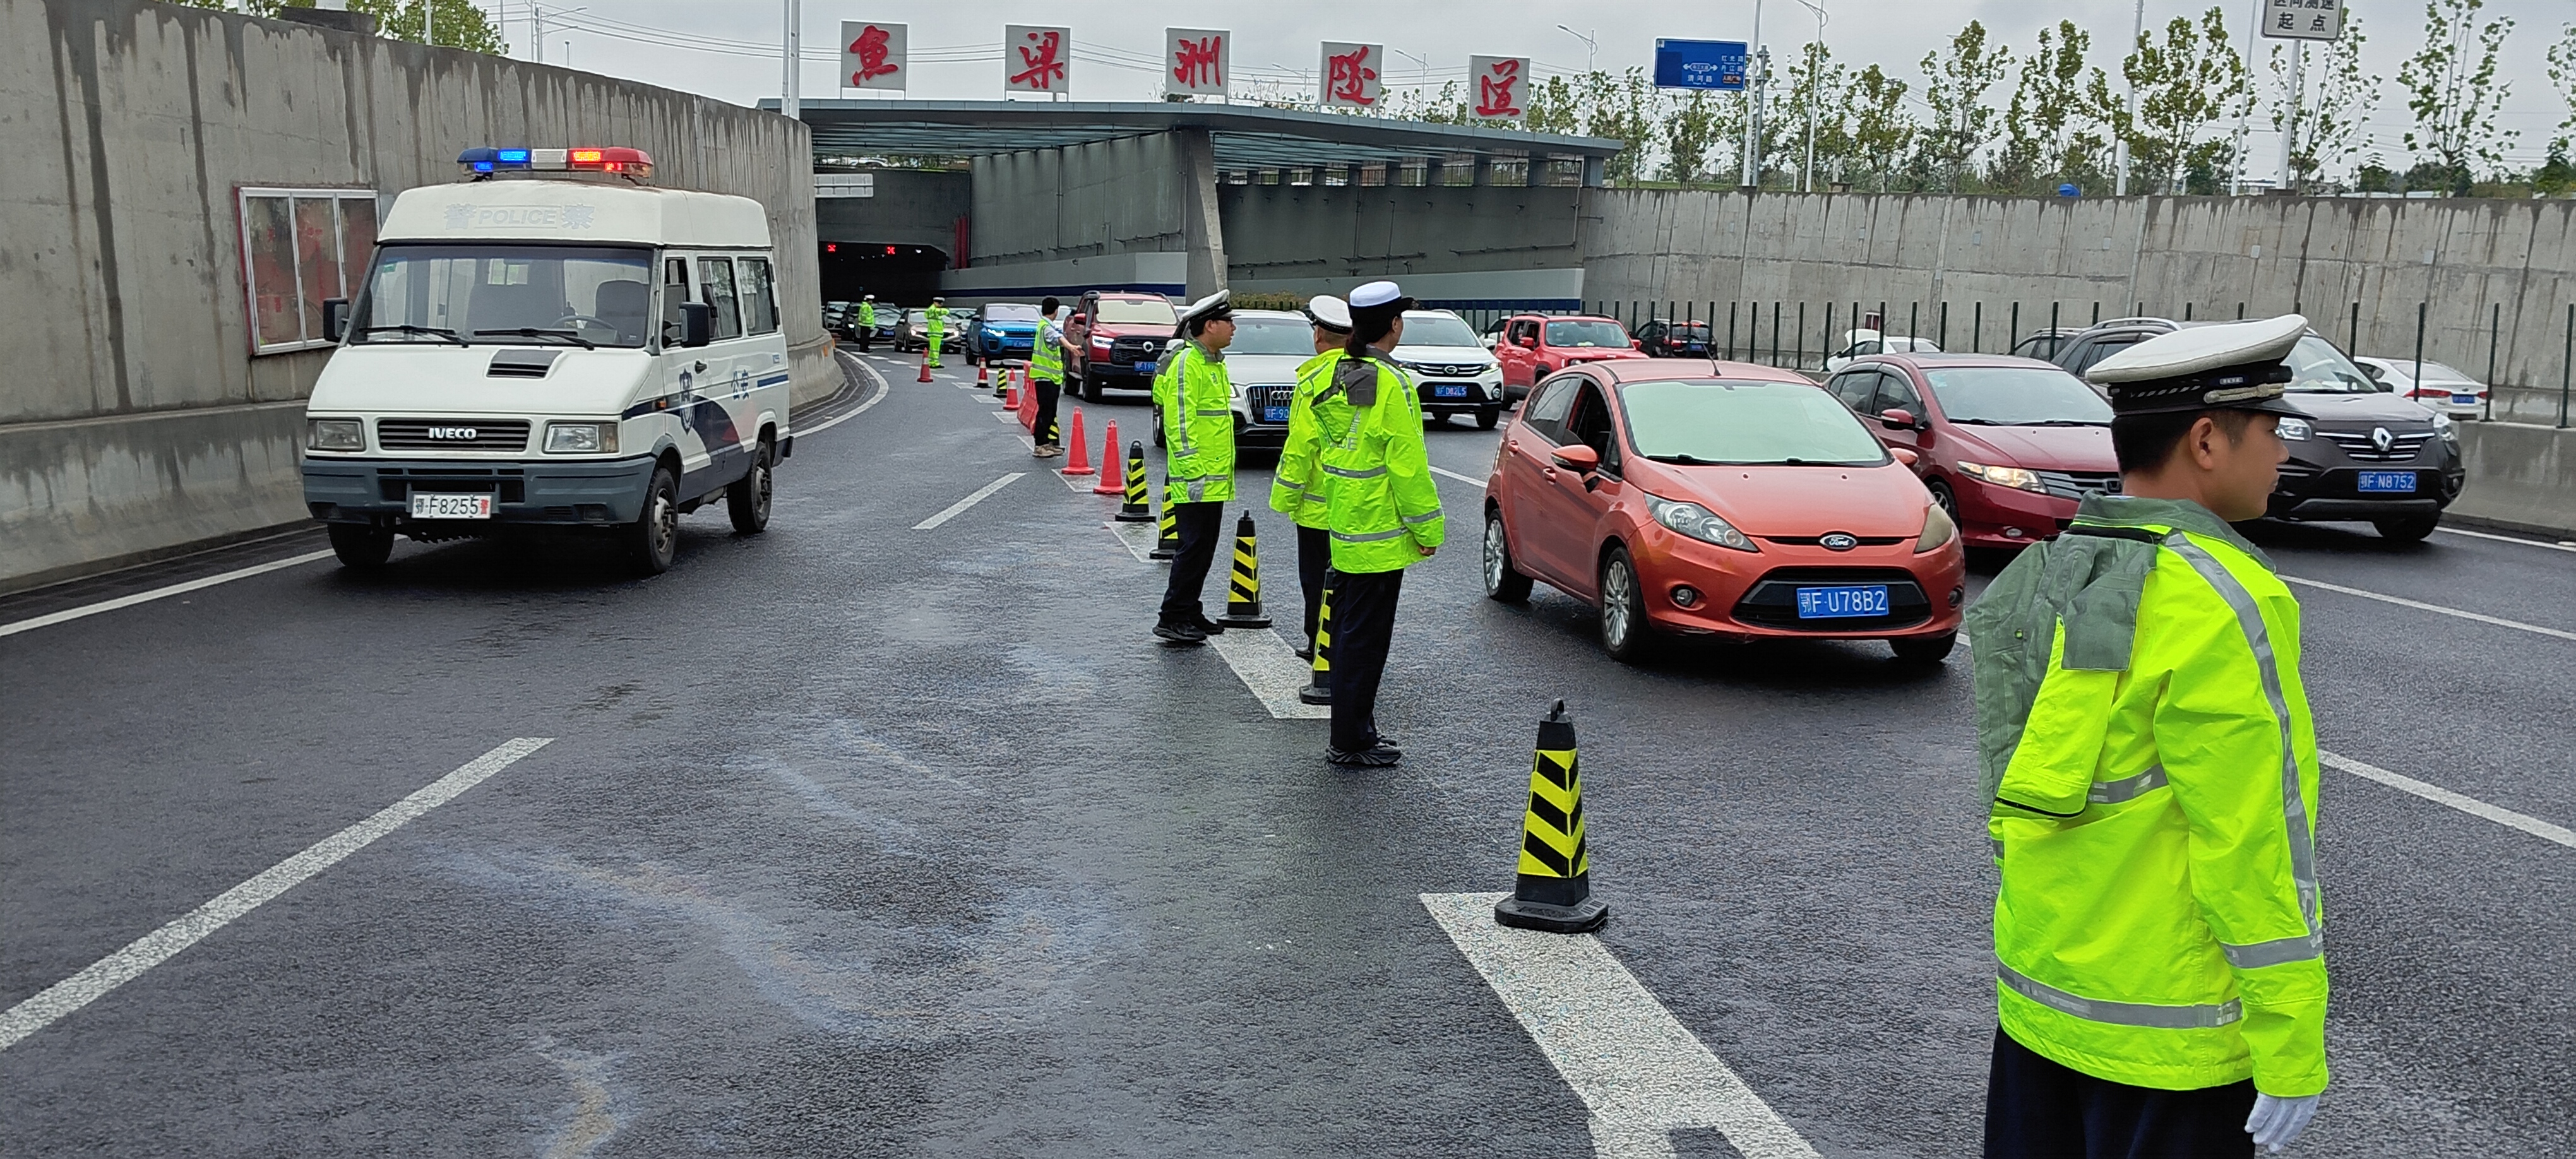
(1297,489)
(935,327)
(1046,377)
(2146,743)
(867,321)
(1197,404)
(1382,510)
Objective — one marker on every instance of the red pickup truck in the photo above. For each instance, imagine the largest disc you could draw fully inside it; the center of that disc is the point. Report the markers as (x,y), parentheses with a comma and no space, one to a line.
(1123,336)
(1533,346)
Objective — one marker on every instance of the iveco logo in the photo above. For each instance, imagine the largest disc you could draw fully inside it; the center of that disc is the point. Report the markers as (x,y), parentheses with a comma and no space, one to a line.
(2380,438)
(1839,541)
(454,434)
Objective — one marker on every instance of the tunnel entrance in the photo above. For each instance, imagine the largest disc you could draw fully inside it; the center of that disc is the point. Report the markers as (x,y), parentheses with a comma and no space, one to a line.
(903,275)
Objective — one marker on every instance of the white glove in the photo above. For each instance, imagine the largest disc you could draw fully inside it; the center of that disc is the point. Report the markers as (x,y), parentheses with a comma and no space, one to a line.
(2276,1122)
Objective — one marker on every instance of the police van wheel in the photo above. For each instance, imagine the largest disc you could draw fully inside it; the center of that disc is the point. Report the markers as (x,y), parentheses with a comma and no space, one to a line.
(1503,582)
(362,547)
(1924,650)
(653,540)
(1625,634)
(747,501)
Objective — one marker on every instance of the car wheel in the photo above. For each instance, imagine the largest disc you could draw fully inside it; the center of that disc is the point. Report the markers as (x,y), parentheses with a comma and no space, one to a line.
(1503,582)
(1625,634)
(747,501)
(1486,417)
(360,546)
(2411,529)
(653,540)
(1949,502)
(1924,650)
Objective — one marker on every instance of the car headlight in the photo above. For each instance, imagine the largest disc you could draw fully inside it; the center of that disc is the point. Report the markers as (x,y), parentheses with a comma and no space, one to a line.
(336,434)
(580,438)
(2295,430)
(1937,529)
(1697,522)
(2443,426)
(2015,477)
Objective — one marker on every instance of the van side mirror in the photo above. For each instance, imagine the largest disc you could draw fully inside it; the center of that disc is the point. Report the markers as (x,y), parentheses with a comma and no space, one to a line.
(335,318)
(697,323)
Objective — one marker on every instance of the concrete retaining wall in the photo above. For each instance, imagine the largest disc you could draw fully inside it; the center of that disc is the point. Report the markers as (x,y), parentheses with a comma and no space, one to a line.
(1515,246)
(135,418)
(2521,475)
(1131,195)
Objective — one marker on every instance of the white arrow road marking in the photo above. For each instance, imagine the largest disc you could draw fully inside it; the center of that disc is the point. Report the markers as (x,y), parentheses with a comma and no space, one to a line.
(152,949)
(1640,1071)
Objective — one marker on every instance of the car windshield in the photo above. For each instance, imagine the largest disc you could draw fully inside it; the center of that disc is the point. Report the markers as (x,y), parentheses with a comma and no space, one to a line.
(1006,312)
(1428,329)
(598,296)
(917,317)
(1586,332)
(1147,311)
(2017,396)
(1736,422)
(2316,367)
(1272,336)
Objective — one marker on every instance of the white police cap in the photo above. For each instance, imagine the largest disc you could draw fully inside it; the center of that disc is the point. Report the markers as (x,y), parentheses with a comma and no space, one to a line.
(1376,294)
(1216,305)
(2232,364)
(1329,312)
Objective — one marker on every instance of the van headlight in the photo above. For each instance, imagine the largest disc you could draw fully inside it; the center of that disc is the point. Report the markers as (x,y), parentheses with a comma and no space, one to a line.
(580,438)
(336,434)
(1937,529)
(1697,522)
(2295,430)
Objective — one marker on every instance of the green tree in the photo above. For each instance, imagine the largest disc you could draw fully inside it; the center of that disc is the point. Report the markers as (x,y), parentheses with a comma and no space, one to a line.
(2184,83)
(1883,130)
(2452,89)
(2335,105)
(1818,87)
(1621,106)
(457,24)
(2050,133)
(1955,83)
(2562,77)
(1690,126)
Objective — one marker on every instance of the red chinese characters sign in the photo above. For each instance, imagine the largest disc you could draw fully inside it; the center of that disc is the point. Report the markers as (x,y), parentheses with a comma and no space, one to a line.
(1036,59)
(1350,75)
(1194,61)
(1501,90)
(872,55)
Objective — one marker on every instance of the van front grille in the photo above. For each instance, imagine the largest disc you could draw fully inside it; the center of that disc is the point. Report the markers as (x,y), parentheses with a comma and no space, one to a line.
(452,434)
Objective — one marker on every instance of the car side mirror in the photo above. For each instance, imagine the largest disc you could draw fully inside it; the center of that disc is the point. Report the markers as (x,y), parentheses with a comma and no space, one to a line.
(1898,418)
(1636,344)
(1580,459)
(697,323)
(1527,342)
(1905,455)
(335,318)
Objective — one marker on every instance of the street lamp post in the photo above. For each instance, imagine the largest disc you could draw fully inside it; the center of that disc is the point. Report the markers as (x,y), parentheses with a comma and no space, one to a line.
(2120,147)
(791,95)
(1815,89)
(1753,103)
(1591,48)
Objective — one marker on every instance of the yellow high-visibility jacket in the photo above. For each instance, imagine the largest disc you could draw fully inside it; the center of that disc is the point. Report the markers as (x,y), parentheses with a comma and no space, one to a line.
(1300,489)
(1197,401)
(1382,505)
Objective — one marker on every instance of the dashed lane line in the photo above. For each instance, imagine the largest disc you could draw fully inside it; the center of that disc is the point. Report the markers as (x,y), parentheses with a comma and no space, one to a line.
(94,982)
(2420,605)
(1638,1069)
(1476,483)
(1264,662)
(959,507)
(67,615)
(2460,801)
(2568,545)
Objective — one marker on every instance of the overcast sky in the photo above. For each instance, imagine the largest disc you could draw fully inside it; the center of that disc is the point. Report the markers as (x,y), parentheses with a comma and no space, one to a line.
(714,46)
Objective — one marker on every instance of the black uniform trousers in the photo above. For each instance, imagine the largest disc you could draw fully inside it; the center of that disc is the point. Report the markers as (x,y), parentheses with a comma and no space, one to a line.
(867,336)
(1314,558)
(1363,629)
(2038,1109)
(1043,430)
(1198,525)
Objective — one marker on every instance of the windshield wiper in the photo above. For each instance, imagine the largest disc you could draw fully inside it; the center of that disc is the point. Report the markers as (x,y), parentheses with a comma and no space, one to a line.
(408,328)
(1685,460)
(534,332)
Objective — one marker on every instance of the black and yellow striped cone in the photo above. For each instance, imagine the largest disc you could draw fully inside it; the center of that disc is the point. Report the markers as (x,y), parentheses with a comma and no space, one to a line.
(1243,595)
(1554,889)
(1167,542)
(1319,688)
(1135,509)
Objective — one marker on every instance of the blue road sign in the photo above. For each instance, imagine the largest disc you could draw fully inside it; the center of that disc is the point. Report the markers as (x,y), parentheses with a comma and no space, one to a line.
(1700,64)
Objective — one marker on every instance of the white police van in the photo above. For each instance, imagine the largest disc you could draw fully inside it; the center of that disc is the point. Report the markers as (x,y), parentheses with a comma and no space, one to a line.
(551,342)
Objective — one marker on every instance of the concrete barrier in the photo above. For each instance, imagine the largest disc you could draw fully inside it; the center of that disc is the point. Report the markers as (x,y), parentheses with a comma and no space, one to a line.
(2521,477)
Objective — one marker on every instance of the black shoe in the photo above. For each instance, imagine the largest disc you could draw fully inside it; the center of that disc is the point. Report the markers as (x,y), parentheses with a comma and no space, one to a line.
(1387,747)
(1307,653)
(1180,633)
(1376,758)
(1208,627)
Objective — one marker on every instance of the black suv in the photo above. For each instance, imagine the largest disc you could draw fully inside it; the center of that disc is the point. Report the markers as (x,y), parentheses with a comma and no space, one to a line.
(2361,452)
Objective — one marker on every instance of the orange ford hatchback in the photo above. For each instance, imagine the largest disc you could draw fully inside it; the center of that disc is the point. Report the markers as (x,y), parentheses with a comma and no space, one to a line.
(1726,499)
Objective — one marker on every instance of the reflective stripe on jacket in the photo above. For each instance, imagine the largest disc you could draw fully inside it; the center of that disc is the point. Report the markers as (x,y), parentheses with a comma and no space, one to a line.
(936,319)
(2158,922)
(1197,401)
(1046,359)
(1300,489)
(1384,505)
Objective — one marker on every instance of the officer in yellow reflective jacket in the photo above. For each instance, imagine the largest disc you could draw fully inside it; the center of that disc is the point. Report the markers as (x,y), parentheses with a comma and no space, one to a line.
(2146,743)
(1196,401)
(1298,488)
(935,328)
(1046,378)
(867,322)
(1382,510)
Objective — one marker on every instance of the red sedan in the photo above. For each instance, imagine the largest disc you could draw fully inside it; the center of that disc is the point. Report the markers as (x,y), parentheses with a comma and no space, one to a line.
(1726,499)
(2008,445)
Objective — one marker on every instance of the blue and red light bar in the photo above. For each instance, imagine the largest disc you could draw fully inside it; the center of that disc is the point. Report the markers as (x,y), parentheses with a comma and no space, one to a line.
(486,160)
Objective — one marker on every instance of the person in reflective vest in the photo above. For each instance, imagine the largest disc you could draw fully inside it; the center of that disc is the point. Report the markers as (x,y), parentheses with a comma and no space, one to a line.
(1196,402)
(1298,487)
(867,322)
(2145,741)
(1046,377)
(935,328)
(1382,511)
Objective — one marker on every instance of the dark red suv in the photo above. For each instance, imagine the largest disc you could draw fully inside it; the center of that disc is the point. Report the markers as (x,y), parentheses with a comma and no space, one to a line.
(2008,445)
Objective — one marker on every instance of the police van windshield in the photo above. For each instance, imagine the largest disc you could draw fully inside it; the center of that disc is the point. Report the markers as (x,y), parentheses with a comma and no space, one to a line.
(1272,336)
(1586,333)
(1746,423)
(516,294)
(2316,367)
(1146,311)
(1429,329)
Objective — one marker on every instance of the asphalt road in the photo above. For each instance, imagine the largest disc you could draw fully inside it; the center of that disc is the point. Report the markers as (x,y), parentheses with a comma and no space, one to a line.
(852,838)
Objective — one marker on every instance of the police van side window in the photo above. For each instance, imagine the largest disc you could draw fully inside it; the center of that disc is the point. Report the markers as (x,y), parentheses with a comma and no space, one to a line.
(715,288)
(759,298)
(675,290)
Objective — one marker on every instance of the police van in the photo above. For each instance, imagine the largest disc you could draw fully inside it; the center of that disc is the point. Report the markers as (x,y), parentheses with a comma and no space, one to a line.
(551,342)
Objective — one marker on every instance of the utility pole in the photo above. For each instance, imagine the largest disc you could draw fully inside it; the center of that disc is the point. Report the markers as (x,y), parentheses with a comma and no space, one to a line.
(2137,30)
(2290,128)
(1815,88)
(2236,169)
(791,94)
(537,32)
(1753,104)
(428,22)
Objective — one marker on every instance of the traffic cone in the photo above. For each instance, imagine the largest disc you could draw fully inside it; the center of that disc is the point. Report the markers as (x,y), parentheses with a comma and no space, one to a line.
(983,374)
(1029,411)
(1553,891)
(925,366)
(1135,509)
(1319,687)
(1243,595)
(1006,379)
(1167,543)
(1079,461)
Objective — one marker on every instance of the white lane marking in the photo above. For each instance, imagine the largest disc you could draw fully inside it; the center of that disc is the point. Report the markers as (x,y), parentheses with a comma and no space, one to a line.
(2422,606)
(1270,668)
(2563,546)
(1476,483)
(2441,796)
(1636,1066)
(67,615)
(957,508)
(95,981)
(882,389)
(1139,538)
(1008,416)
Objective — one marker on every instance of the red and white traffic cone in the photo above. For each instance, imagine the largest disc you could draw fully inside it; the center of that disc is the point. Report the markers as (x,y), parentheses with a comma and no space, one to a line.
(925,366)
(983,374)
(1113,480)
(1079,461)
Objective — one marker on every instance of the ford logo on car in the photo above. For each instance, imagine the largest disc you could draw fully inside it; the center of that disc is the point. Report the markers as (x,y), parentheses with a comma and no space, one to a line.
(455,434)
(1838,541)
